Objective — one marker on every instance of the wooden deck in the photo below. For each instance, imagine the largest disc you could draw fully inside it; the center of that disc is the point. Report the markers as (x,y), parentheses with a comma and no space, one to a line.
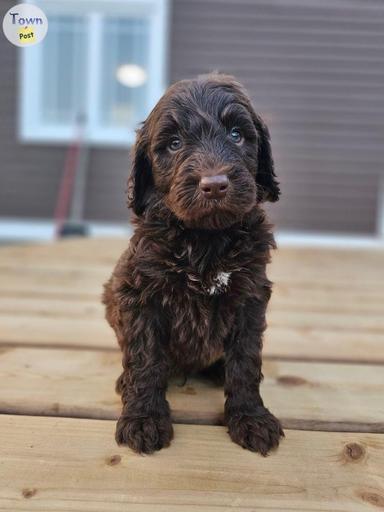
(324,377)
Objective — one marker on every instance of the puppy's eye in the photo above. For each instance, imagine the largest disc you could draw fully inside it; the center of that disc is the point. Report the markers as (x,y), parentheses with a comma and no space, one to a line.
(175,144)
(235,135)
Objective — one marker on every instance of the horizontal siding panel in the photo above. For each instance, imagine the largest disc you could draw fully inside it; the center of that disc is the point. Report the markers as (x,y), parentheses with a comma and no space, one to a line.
(328,70)
(303,224)
(288,76)
(363,201)
(300,33)
(271,45)
(319,155)
(277,61)
(345,168)
(107,178)
(272,40)
(370,136)
(255,20)
(259,80)
(341,193)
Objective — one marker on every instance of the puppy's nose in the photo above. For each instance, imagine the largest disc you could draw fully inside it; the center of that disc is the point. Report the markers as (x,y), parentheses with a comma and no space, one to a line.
(214,187)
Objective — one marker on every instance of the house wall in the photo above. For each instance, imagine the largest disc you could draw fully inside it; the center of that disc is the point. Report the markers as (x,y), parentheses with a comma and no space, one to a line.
(314,71)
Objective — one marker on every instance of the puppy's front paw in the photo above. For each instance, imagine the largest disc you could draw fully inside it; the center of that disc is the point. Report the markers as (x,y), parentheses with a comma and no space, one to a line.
(258,431)
(144,434)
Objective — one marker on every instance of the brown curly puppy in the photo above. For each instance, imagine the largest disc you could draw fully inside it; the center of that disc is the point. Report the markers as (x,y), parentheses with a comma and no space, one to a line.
(191,290)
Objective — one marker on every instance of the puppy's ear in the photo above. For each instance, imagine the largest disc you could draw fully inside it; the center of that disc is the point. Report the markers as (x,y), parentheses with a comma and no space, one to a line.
(268,187)
(140,181)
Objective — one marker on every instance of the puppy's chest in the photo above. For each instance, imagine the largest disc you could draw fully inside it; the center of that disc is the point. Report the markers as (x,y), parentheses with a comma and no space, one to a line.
(211,269)
(207,267)
(210,276)
(214,283)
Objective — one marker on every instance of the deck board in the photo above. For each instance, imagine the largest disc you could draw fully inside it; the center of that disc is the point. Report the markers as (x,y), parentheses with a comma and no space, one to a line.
(327,304)
(300,342)
(70,464)
(80,384)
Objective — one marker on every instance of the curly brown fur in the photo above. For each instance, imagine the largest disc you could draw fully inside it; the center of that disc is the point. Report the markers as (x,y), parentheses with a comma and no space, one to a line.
(191,289)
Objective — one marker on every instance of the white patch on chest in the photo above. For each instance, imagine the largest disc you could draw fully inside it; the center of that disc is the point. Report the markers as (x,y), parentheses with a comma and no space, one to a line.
(220,283)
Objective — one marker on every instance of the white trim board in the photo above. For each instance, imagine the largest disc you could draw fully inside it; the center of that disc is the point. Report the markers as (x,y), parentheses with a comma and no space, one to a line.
(35,230)
(38,230)
(331,240)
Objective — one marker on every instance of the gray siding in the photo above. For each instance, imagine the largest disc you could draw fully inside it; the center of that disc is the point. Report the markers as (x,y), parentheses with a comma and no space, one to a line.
(28,174)
(108,172)
(314,71)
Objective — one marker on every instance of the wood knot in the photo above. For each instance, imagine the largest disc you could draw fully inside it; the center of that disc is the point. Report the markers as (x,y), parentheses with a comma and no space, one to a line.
(114,460)
(353,451)
(189,390)
(373,498)
(28,493)
(55,408)
(291,380)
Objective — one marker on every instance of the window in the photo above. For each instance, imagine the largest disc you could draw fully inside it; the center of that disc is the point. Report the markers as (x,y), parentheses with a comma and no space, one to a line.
(97,74)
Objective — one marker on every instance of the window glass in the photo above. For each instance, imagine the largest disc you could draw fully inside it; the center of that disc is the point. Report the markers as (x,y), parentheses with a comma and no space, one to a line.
(124,71)
(63,77)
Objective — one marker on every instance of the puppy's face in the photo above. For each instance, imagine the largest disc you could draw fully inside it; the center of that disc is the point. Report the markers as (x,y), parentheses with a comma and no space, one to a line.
(205,152)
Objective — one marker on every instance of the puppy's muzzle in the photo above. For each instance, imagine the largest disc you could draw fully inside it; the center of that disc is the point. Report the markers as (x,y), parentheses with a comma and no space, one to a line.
(214,187)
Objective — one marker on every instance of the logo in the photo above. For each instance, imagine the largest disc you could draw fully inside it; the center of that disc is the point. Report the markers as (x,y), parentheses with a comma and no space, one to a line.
(25,25)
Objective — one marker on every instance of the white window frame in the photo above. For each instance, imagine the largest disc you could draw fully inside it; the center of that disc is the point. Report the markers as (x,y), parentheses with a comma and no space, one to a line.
(31,130)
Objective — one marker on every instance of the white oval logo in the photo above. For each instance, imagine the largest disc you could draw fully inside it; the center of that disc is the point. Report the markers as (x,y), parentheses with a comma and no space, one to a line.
(25,25)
